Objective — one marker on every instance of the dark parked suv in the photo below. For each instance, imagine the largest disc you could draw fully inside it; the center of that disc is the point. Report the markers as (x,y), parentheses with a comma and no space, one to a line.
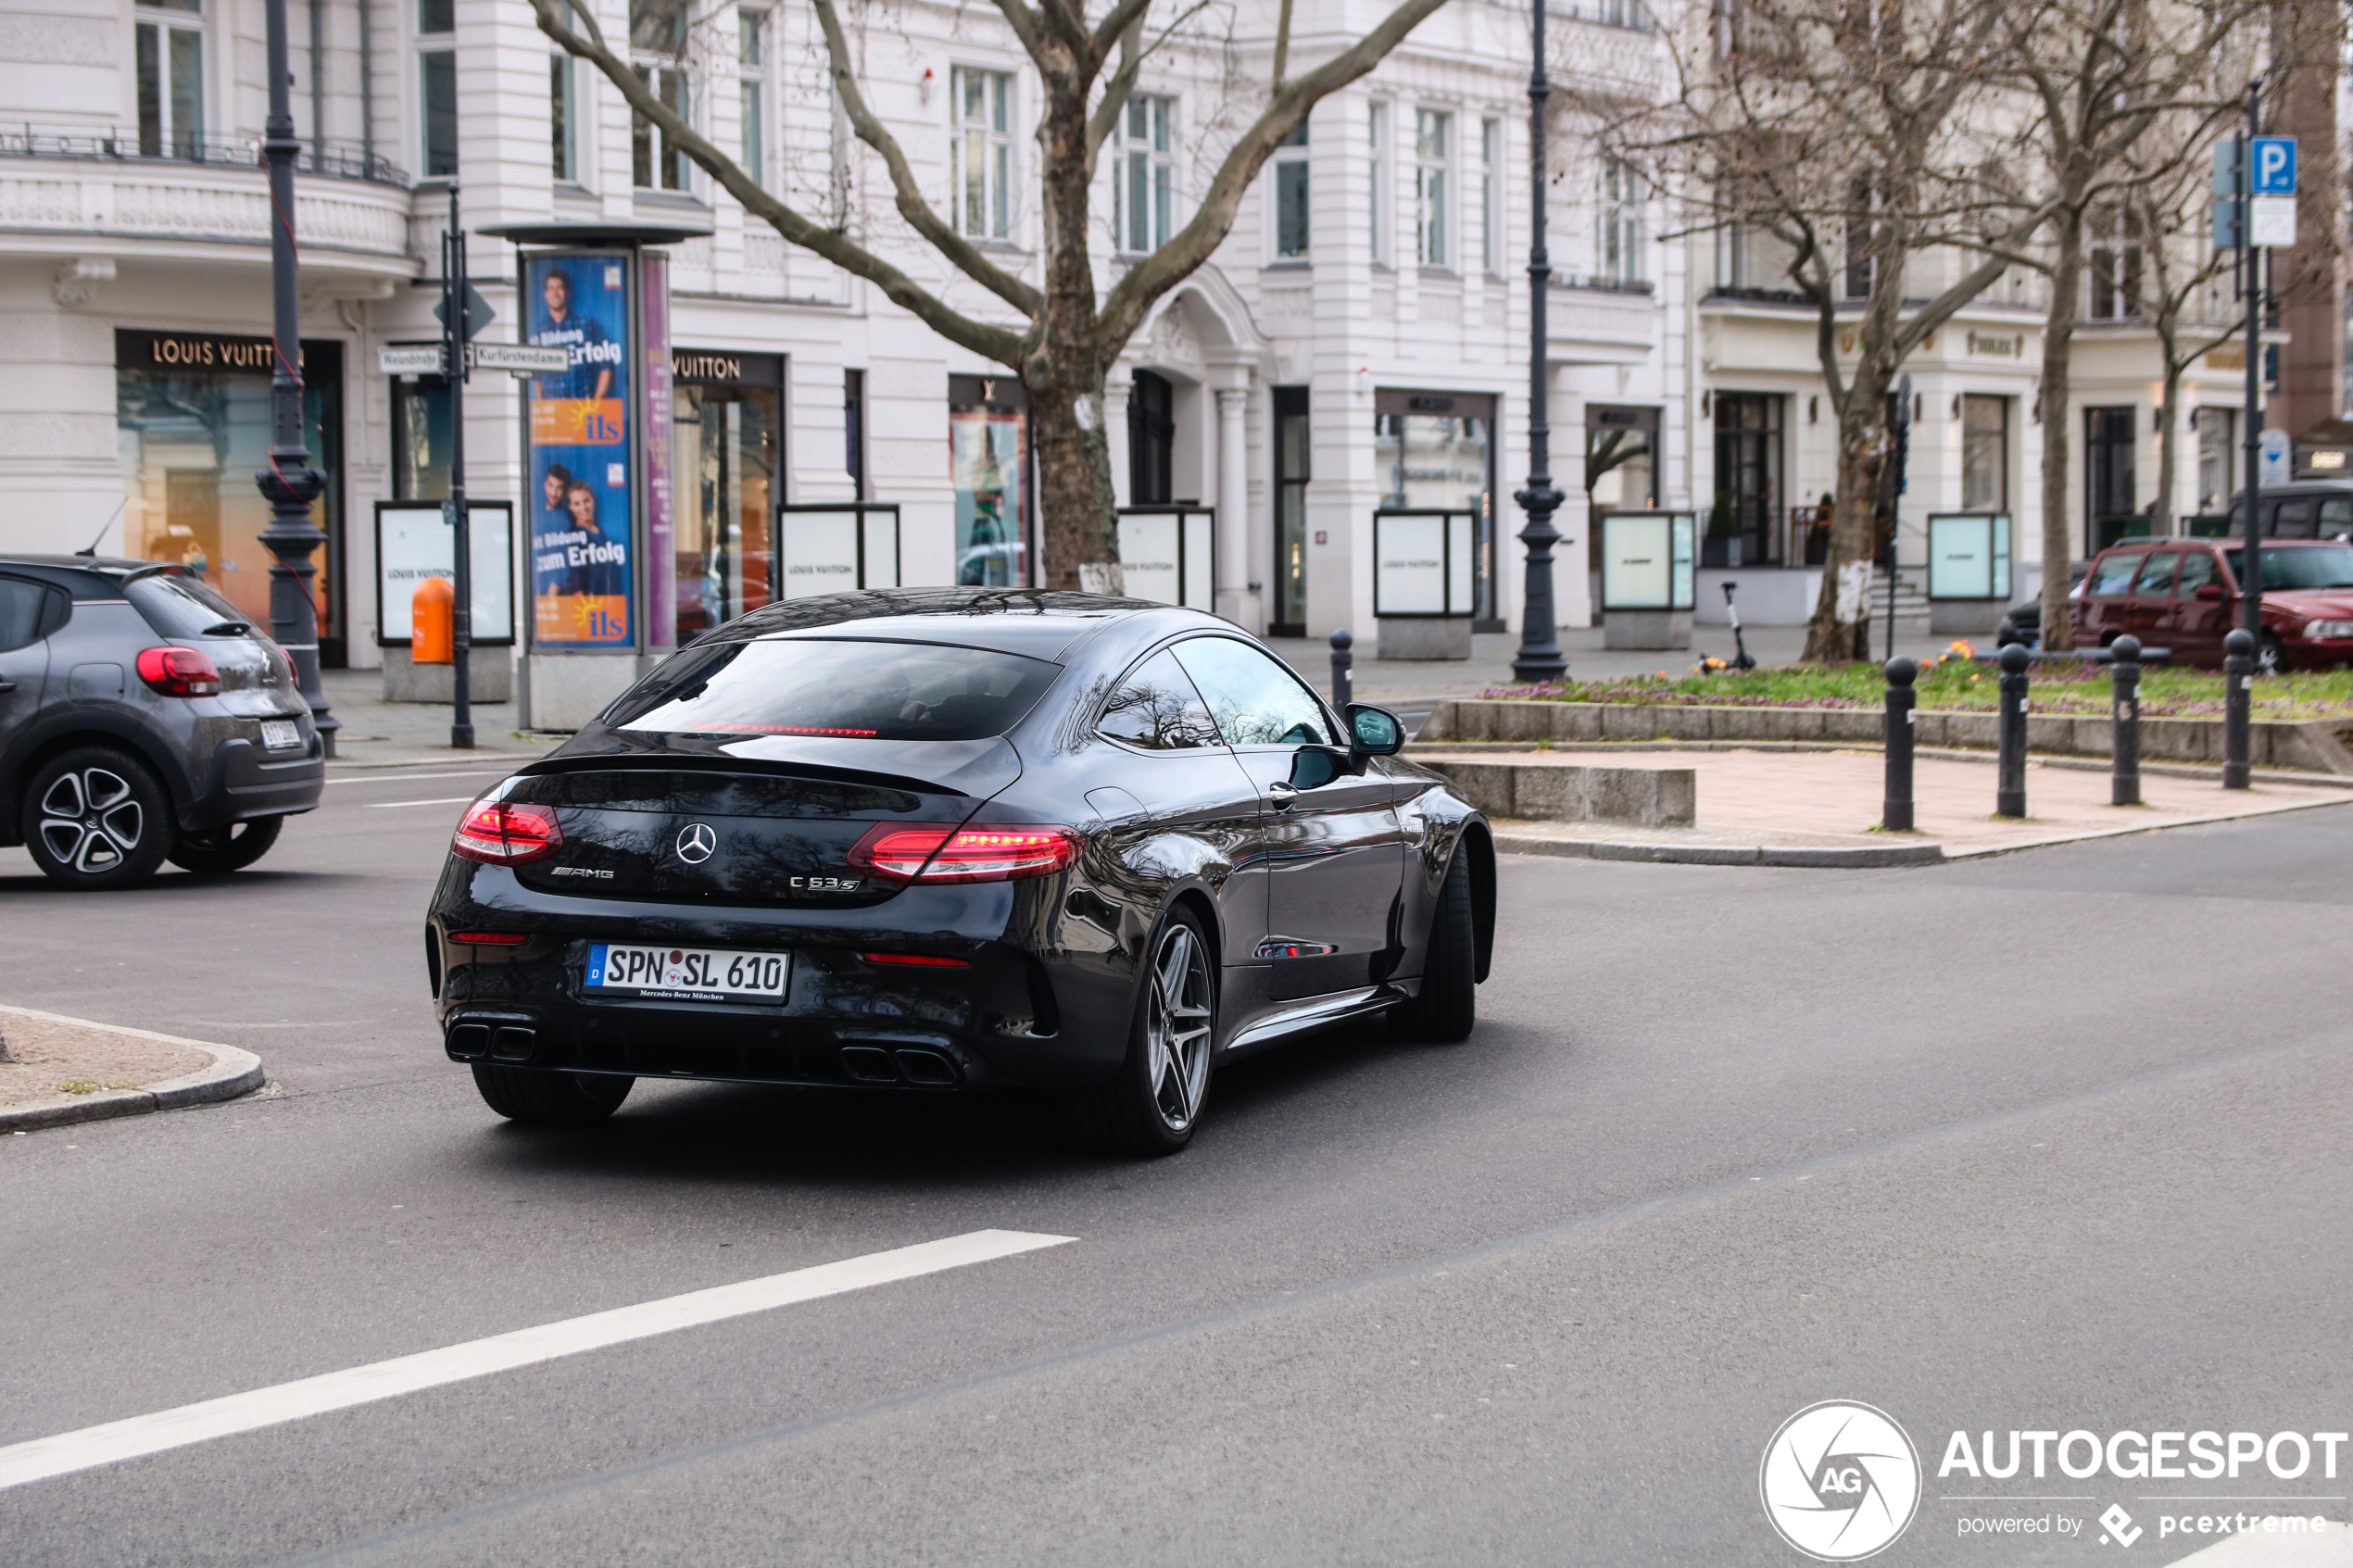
(142,718)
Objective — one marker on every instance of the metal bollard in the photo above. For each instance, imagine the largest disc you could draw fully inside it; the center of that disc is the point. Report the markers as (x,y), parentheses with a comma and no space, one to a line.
(1897,814)
(2009,788)
(2238,668)
(2124,712)
(1343,685)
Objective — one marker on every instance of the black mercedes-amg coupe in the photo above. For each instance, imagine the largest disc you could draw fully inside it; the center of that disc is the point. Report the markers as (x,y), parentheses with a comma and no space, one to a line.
(956,839)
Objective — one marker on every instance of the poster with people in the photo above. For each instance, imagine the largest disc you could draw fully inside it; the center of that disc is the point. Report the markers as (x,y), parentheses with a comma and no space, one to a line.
(582,559)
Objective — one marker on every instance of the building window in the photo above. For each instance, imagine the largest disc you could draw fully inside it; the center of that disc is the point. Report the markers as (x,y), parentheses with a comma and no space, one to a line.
(853,429)
(1291,512)
(563,113)
(171,88)
(1859,235)
(1431,130)
(1378,122)
(1748,479)
(1490,247)
(2217,458)
(437,81)
(752,66)
(2116,281)
(1151,441)
(984,154)
(1144,175)
(2107,470)
(1985,453)
(1290,197)
(728,455)
(1620,256)
(658,37)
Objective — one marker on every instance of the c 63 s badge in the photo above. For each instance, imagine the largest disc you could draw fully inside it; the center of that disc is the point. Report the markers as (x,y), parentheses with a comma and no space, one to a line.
(826,884)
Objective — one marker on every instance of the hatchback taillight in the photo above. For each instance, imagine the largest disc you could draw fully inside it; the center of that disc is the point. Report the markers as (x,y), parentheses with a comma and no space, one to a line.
(967,854)
(507,835)
(178,672)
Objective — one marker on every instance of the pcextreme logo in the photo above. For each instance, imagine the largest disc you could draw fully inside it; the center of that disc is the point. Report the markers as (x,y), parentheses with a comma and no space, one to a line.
(1840,1481)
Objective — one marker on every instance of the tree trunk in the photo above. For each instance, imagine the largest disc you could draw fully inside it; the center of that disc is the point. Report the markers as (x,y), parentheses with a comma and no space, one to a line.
(1841,630)
(2169,443)
(1076,507)
(2058,344)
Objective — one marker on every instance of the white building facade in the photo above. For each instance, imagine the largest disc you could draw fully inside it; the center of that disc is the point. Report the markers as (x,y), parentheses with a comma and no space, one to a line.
(1359,341)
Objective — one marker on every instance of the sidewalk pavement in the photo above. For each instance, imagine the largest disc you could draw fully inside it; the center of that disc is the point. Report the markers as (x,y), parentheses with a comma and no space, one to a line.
(377,734)
(1820,808)
(1411,686)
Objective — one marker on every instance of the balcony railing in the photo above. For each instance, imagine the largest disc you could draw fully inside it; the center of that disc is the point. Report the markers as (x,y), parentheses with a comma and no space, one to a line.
(332,160)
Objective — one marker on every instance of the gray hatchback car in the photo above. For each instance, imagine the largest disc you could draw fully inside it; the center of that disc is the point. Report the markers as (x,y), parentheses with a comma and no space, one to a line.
(142,718)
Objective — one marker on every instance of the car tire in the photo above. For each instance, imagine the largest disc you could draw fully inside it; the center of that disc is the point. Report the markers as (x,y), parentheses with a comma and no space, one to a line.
(539,1097)
(230,848)
(1447,1007)
(1151,1107)
(96,818)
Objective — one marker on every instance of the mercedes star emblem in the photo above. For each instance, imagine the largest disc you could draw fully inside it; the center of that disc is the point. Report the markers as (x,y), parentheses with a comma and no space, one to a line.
(696,841)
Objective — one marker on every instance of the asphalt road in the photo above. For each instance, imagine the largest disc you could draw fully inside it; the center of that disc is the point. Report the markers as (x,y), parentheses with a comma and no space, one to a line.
(2045,1142)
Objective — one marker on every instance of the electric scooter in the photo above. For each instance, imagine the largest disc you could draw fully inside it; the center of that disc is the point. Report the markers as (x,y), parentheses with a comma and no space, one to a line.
(1741,658)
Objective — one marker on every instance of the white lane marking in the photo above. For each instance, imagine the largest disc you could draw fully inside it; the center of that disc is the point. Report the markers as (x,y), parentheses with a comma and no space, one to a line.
(404,778)
(141,1435)
(388,805)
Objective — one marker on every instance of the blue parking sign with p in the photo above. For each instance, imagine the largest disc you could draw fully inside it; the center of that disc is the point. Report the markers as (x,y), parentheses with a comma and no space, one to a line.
(2274,171)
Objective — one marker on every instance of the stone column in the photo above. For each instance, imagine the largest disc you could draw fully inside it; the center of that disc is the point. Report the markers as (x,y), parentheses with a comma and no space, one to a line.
(1235,601)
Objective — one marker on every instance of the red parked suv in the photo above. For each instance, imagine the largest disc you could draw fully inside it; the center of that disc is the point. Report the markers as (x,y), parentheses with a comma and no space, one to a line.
(2185,593)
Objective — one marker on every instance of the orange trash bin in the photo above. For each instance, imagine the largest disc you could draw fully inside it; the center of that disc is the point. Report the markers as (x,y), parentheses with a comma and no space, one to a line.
(430,614)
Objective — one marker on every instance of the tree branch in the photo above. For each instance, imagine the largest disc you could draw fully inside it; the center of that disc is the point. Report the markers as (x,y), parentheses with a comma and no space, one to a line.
(959,251)
(1133,297)
(994,343)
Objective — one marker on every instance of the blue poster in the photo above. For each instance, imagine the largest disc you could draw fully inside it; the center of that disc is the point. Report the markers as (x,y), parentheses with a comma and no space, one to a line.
(581,565)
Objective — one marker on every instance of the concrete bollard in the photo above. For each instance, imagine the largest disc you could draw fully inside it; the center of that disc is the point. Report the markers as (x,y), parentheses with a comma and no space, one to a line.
(2238,668)
(2009,788)
(1897,814)
(2124,712)
(1343,684)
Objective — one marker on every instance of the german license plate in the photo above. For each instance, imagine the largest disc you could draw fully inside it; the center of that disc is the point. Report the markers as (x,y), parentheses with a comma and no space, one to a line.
(686,975)
(281,735)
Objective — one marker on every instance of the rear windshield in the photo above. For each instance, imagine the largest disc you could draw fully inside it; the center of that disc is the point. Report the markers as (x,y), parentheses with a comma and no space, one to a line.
(183,606)
(860,690)
(2313,566)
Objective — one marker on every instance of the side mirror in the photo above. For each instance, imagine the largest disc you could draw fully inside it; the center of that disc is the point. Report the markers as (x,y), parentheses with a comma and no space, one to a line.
(2212,592)
(1374,730)
(1313,767)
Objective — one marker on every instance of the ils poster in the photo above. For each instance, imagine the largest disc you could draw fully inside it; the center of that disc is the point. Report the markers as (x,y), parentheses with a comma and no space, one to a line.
(581,566)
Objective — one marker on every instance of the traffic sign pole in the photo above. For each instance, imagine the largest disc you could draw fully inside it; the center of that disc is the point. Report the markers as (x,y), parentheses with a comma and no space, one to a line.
(2252,583)
(456,327)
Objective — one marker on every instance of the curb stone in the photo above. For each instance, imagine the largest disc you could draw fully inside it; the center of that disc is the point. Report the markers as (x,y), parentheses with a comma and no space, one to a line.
(1724,854)
(232,1072)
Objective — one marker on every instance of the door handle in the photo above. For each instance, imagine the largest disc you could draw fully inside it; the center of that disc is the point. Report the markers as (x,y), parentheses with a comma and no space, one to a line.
(6,686)
(1281,797)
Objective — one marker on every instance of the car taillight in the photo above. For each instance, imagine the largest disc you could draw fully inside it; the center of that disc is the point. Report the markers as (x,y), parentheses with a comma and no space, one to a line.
(178,672)
(294,675)
(506,835)
(490,938)
(968,854)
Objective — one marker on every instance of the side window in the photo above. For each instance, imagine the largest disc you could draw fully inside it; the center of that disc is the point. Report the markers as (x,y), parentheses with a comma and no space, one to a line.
(1157,709)
(2294,520)
(2157,578)
(2114,576)
(1255,701)
(2197,571)
(2336,517)
(29,611)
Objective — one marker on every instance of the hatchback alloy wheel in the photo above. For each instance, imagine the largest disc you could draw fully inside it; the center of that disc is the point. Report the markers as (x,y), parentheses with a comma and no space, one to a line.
(91,820)
(1177,1029)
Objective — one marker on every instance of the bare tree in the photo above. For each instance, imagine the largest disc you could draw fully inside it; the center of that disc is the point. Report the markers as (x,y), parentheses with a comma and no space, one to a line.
(1843,133)
(1057,334)
(2099,78)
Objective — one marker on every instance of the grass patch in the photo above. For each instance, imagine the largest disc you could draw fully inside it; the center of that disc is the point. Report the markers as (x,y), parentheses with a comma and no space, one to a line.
(1959,682)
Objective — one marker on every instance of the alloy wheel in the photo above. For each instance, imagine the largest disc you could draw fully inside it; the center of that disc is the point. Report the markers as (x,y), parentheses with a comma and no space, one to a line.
(91,820)
(1176,1030)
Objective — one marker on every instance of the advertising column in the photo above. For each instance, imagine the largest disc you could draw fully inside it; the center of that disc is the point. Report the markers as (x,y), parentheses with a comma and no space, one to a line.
(653,358)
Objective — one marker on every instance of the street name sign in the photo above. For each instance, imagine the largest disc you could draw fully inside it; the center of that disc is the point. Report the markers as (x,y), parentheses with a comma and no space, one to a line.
(524,359)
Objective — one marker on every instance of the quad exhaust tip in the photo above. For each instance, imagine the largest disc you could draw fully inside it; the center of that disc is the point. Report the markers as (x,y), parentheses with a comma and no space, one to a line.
(872,1065)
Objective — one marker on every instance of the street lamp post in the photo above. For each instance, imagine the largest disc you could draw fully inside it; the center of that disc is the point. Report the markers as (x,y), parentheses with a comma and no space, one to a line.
(289,483)
(1540,656)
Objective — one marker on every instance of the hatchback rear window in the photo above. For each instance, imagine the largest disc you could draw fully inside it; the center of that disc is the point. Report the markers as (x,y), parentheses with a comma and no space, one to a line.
(2321,566)
(860,690)
(183,606)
